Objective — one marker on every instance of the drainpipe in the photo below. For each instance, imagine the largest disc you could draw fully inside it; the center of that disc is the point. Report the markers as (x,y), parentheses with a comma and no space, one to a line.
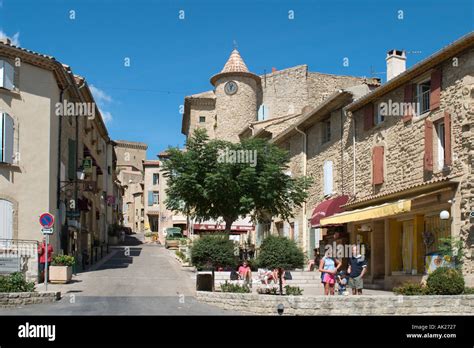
(305,155)
(354,152)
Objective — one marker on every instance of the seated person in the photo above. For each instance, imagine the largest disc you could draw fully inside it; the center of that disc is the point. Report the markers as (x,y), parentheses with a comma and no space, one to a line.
(275,276)
(266,276)
(245,273)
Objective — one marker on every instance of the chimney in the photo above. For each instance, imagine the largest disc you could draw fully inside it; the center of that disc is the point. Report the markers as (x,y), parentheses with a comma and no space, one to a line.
(5,40)
(274,69)
(396,63)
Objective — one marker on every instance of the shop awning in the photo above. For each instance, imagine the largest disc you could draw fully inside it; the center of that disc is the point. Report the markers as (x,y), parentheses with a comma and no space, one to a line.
(327,208)
(369,213)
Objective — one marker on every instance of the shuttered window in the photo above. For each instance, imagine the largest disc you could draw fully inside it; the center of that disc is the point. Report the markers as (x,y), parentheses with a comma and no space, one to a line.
(7,73)
(368,116)
(408,99)
(150,198)
(377,165)
(328,178)
(428,156)
(6,138)
(6,220)
(435,89)
(447,139)
(71,160)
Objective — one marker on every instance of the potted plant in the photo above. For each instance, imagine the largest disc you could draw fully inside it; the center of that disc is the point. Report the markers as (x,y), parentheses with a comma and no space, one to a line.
(60,271)
(114,233)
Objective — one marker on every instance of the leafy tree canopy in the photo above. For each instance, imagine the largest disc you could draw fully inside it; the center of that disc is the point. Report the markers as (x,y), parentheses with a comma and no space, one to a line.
(205,182)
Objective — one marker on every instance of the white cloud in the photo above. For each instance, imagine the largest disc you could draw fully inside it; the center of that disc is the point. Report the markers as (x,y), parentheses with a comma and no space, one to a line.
(106,116)
(15,39)
(99,95)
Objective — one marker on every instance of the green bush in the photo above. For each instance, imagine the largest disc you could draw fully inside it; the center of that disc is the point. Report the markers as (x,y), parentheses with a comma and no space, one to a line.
(445,281)
(212,252)
(411,289)
(180,254)
(16,282)
(63,260)
(276,252)
(293,290)
(229,287)
(468,291)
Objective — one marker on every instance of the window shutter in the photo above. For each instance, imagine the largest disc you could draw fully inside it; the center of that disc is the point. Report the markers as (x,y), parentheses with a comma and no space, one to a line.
(435,90)
(8,136)
(328,177)
(2,73)
(150,198)
(428,157)
(447,139)
(377,165)
(71,160)
(368,116)
(9,75)
(408,99)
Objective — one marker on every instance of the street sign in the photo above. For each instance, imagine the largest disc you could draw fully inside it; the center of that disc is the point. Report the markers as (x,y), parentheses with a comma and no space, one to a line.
(46,220)
(472,214)
(47,230)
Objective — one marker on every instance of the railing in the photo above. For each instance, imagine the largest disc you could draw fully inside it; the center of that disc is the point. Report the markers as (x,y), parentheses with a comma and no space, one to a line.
(19,255)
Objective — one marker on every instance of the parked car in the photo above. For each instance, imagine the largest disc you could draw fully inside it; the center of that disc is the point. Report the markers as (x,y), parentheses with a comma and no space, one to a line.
(173,235)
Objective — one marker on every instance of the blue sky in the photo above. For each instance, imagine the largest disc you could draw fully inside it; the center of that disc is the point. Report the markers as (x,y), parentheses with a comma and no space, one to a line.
(171,58)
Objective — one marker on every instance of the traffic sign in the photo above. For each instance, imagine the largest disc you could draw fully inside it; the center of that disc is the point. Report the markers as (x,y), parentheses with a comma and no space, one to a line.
(47,230)
(46,220)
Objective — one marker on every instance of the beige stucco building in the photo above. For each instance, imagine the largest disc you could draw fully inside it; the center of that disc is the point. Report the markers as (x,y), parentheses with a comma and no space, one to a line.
(53,159)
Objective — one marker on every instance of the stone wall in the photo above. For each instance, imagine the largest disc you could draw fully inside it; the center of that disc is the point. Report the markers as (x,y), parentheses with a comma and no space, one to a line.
(16,299)
(341,305)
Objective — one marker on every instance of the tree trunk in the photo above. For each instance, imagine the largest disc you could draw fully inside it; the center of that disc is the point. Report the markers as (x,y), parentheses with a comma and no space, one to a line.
(228,225)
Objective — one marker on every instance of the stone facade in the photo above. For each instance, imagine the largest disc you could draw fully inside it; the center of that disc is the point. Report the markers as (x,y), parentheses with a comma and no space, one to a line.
(130,156)
(18,299)
(341,305)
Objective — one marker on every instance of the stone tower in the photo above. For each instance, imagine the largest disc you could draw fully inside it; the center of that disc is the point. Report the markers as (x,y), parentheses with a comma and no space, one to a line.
(236,98)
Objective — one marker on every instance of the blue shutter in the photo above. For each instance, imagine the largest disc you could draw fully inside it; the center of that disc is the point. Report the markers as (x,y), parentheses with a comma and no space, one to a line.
(150,198)
(8,79)
(328,178)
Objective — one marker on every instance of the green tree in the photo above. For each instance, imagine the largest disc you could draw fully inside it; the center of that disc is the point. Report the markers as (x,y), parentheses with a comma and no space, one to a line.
(205,184)
(281,253)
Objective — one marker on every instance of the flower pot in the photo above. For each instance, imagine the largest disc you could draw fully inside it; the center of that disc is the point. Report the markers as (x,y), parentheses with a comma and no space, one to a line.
(60,274)
(113,240)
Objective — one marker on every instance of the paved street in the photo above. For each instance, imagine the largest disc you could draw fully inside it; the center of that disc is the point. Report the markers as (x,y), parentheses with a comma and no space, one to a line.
(147,281)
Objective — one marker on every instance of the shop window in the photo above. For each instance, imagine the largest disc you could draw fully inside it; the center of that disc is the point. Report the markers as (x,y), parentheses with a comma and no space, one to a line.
(435,229)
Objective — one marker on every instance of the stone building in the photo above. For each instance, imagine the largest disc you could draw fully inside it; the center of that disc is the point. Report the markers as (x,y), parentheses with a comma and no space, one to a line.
(400,163)
(56,157)
(243,104)
(130,173)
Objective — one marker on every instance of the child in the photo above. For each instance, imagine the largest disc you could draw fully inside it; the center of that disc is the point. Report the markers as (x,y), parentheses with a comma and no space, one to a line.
(342,283)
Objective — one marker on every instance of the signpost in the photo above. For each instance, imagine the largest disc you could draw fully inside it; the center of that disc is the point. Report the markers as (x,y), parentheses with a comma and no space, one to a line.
(47,221)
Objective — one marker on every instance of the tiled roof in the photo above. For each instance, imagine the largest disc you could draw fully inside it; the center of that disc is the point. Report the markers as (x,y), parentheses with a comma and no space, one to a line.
(235,63)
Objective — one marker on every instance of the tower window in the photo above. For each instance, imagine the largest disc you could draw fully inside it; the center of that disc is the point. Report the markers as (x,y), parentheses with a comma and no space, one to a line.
(202,119)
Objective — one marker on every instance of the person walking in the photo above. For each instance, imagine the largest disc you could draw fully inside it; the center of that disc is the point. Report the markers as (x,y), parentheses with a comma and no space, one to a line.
(356,270)
(42,257)
(328,266)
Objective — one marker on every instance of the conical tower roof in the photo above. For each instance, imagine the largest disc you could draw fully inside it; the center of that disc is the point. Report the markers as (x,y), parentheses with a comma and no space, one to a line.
(235,65)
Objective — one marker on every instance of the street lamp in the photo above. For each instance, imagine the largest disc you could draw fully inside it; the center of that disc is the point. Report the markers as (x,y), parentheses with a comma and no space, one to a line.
(444,215)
